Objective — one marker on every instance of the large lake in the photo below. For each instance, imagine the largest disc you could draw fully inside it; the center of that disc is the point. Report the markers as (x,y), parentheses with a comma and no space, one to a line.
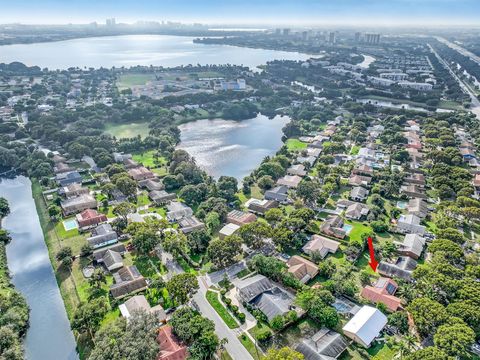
(131,50)
(232,148)
(49,335)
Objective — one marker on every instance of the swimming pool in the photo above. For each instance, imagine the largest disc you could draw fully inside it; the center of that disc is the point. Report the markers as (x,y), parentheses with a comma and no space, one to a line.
(347,228)
(70,224)
(402,204)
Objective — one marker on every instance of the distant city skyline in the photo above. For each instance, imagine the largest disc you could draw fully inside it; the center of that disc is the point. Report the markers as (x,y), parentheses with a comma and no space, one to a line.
(248,12)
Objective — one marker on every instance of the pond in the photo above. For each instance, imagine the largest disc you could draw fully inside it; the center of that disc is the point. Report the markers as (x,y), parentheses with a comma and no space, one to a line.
(232,148)
(49,335)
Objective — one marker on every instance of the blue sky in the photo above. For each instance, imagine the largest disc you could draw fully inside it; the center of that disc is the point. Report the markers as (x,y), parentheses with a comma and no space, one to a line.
(308,12)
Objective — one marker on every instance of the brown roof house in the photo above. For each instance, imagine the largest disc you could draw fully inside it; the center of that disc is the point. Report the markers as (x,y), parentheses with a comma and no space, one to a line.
(415,179)
(190,224)
(413,191)
(321,245)
(128,280)
(383,291)
(260,206)
(359,180)
(303,269)
(333,226)
(90,217)
(170,346)
(141,173)
(240,218)
(290,181)
(77,204)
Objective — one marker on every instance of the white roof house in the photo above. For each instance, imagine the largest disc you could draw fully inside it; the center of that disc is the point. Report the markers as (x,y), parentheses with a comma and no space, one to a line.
(365,325)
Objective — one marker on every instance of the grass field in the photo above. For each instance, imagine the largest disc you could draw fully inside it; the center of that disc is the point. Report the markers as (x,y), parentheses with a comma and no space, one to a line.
(250,346)
(295,145)
(212,298)
(122,131)
(126,81)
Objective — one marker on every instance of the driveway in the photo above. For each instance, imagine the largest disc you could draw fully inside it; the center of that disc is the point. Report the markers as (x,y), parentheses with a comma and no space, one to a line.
(234,347)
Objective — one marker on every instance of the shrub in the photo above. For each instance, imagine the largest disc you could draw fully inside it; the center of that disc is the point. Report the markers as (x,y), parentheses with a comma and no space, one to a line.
(241,317)
(228,301)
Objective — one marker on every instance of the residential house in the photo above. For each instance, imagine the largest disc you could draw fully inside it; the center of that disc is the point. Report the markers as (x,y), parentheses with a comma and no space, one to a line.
(73,190)
(102,235)
(190,224)
(401,268)
(64,179)
(410,224)
(257,206)
(383,291)
(290,181)
(177,211)
(112,260)
(61,167)
(139,303)
(161,197)
(121,157)
(128,280)
(228,230)
(279,193)
(412,246)
(303,269)
(90,217)
(321,245)
(359,193)
(141,173)
(413,191)
(415,179)
(240,218)
(263,295)
(476,182)
(467,154)
(298,169)
(365,325)
(170,346)
(333,226)
(356,211)
(306,159)
(130,164)
(99,254)
(58,158)
(153,184)
(326,344)
(77,204)
(417,207)
(363,170)
(359,180)
(366,153)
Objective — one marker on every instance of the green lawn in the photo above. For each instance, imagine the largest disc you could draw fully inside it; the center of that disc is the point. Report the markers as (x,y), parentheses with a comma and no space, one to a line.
(381,351)
(295,144)
(250,346)
(149,159)
(126,81)
(212,298)
(122,131)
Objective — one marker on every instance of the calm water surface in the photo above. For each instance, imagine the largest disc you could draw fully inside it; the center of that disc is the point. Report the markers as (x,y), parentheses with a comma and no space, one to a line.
(131,50)
(232,148)
(49,336)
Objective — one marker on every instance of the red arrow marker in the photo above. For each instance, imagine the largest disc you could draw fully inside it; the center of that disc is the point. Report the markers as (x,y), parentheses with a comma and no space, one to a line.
(373,263)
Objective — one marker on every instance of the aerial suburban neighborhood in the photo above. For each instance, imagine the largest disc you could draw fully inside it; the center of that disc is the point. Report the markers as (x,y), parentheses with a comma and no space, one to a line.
(319,202)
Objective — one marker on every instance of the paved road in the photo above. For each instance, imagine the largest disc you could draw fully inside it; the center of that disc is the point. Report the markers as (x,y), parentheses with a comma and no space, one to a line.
(459,49)
(234,347)
(475,106)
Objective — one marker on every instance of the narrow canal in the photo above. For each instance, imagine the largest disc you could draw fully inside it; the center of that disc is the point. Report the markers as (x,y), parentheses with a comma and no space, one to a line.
(49,336)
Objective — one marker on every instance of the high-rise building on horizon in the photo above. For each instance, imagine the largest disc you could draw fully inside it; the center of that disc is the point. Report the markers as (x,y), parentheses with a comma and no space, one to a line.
(373,39)
(110,22)
(332,37)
